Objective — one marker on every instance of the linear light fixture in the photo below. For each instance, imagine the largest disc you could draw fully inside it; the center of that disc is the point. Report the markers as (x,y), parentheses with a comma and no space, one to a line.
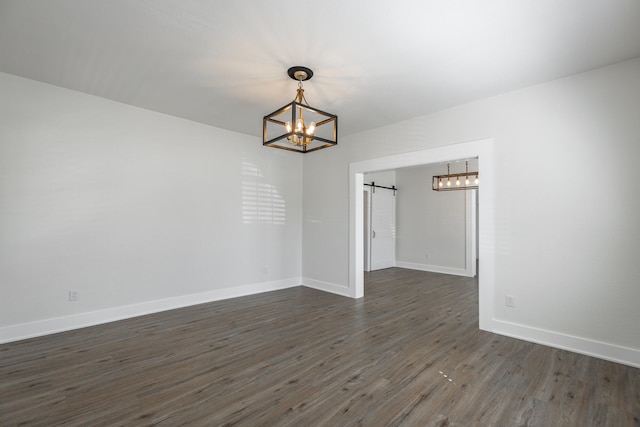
(456,181)
(298,126)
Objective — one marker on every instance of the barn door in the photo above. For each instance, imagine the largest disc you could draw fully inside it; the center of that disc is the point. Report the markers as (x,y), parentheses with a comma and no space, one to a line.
(383,229)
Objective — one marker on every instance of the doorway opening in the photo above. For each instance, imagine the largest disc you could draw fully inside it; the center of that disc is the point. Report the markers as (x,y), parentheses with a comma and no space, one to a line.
(408,225)
(483,150)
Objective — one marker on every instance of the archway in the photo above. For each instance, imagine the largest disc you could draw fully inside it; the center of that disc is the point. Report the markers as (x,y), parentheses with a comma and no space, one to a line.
(483,150)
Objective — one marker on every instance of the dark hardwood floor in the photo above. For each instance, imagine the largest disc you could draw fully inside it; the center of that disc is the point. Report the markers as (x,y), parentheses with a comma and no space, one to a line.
(408,354)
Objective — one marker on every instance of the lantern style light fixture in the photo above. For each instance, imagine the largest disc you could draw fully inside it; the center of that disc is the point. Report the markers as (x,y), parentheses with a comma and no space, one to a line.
(456,181)
(298,126)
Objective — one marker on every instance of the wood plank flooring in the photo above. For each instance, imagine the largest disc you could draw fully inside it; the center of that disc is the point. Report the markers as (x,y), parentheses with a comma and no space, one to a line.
(408,354)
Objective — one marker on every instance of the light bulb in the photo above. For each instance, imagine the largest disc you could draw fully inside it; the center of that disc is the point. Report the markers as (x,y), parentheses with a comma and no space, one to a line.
(457,180)
(466,181)
(476,179)
(448,182)
(287,125)
(440,182)
(299,126)
(311,128)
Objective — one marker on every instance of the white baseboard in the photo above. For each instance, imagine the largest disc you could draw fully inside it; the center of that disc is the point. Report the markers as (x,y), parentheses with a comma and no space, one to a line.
(326,286)
(432,268)
(601,350)
(81,320)
(606,351)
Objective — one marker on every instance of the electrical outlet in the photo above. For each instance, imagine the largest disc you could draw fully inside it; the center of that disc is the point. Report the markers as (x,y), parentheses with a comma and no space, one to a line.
(74,295)
(510,301)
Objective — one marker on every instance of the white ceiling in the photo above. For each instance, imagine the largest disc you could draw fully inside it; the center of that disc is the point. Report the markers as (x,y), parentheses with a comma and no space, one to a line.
(224,62)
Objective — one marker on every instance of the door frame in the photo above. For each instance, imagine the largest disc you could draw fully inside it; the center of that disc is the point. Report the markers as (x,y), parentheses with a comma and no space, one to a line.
(483,150)
(366,227)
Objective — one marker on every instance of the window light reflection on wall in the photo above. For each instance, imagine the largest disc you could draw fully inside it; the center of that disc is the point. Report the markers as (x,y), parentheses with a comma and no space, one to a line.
(262,203)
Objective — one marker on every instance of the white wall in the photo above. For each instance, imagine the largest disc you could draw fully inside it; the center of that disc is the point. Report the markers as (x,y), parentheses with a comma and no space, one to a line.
(384,178)
(136,210)
(431,225)
(565,236)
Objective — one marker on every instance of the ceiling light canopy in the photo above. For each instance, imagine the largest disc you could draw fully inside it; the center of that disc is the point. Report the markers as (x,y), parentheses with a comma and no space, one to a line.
(297,126)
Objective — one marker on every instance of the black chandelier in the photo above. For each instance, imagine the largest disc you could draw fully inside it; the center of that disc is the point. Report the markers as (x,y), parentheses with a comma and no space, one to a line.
(298,126)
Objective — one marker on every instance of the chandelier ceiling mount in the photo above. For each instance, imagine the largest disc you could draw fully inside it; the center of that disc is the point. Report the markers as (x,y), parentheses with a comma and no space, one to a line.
(299,73)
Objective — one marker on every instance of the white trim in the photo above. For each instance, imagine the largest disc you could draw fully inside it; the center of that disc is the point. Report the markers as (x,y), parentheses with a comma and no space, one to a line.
(356,233)
(326,287)
(615,353)
(433,268)
(470,233)
(367,233)
(81,320)
(483,150)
